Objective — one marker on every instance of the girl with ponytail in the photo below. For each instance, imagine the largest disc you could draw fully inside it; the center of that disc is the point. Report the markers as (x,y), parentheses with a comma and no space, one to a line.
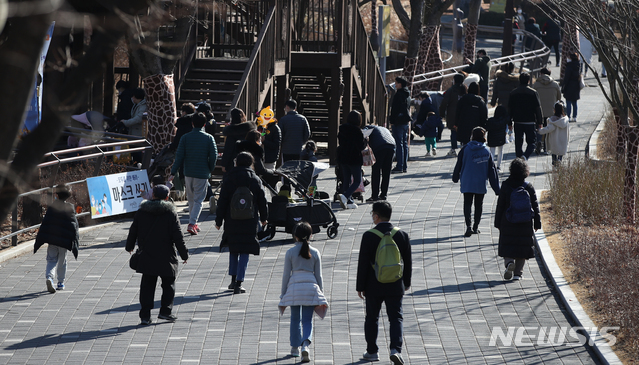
(302,289)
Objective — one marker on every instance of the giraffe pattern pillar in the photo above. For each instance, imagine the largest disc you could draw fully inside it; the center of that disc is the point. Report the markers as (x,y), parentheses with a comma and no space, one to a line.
(410,68)
(470,41)
(161,109)
(570,44)
(434,61)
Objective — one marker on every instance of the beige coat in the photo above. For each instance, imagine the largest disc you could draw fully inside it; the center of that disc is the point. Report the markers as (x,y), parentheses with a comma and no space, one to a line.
(558,135)
(549,93)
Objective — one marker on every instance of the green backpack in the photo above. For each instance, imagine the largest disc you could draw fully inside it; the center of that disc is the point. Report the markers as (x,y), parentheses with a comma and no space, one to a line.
(388,266)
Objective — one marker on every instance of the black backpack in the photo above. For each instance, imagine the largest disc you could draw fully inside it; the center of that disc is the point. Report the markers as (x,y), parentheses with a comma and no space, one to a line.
(242,204)
(520,209)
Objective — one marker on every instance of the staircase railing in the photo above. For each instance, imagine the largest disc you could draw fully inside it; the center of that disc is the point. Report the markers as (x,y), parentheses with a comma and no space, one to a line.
(372,83)
(188,53)
(271,46)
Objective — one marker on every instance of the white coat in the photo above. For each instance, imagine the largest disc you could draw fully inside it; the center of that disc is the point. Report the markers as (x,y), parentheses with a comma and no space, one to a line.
(558,135)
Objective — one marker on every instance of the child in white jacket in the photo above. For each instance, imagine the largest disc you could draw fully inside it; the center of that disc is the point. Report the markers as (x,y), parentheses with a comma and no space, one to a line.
(558,133)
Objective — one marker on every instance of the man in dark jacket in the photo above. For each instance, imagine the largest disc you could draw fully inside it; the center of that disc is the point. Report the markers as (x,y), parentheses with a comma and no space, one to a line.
(272,143)
(295,132)
(524,110)
(448,109)
(156,228)
(240,235)
(125,104)
(382,143)
(399,119)
(552,32)
(376,293)
(60,230)
(471,112)
(197,151)
(505,82)
(481,66)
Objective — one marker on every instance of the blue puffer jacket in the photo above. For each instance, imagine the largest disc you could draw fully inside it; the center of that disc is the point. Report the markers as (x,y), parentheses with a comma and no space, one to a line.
(197,151)
(475,165)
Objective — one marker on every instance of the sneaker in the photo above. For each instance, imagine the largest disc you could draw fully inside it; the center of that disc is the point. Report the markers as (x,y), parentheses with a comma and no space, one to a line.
(396,357)
(351,206)
(343,201)
(372,200)
(305,355)
(197,228)
(231,285)
(396,171)
(516,277)
(238,289)
(476,230)
(427,153)
(145,321)
(168,317)
(370,357)
(50,287)
(191,229)
(434,151)
(469,232)
(382,198)
(60,286)
(295,351)
(452,153)
(508,275)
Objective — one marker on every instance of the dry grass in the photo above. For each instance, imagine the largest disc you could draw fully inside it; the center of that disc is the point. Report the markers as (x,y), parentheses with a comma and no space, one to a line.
(598,254)
(607,144)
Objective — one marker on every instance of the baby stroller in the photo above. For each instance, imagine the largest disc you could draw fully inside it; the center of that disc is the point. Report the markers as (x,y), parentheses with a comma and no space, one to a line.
(339,188)
(317,212)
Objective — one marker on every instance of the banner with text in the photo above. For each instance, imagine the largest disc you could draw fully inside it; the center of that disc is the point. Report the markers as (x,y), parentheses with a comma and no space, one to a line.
(117,193)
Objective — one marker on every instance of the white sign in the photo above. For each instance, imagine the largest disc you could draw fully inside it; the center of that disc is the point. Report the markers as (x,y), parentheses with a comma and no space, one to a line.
(117,193)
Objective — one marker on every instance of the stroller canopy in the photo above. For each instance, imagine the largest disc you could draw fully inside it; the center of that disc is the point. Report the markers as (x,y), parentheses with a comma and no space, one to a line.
(302,172)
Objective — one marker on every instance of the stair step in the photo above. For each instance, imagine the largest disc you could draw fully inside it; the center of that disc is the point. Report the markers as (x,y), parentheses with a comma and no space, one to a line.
(209,91)
(217,70)
(212,81)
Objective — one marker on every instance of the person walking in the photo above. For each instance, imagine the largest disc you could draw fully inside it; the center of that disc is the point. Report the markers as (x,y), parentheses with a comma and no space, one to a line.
(429,129)
(197,152)
(235,131)
(471,112)
(505,82)
(571,87)
(474,166)
(240,235)
(302,289)
(382,143)
(374,292)
(399,119)
(184,124)
(156,229)
(524,111)
(552,36)
(517,228)
(59,229)
(558,133)
(496,128)
(272,143)
(549,93)
(295,132)
(481,66)
(349,156)
(253,145)
(448,109)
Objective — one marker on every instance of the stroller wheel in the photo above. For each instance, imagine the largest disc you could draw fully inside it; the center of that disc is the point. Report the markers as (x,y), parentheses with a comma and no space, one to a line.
(331,232)
(271,231)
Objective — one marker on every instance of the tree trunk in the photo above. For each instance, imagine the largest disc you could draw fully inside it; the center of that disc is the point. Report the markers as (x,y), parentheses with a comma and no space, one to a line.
(570,44)
(471,29)
(411,60)
(630,179)
(161,109)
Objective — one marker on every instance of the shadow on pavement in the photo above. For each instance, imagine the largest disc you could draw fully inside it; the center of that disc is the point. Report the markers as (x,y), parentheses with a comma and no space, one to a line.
(460,287)
(72,337)
(19,298)
(176,301)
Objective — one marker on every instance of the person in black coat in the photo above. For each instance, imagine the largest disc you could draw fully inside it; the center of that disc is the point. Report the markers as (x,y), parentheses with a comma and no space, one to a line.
(184,125)
(496,128)
(272,143)
(399,119)
(349,156)
(383,144)
(240,236)
(571,86)
(125,104)
(376,293)
(156,228)
(471,112)
(60,230)
(516,240)
(236,131)
(253,145)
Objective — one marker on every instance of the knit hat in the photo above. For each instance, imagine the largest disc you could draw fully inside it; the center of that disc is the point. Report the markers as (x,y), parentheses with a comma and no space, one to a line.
(479,134)
(160,192)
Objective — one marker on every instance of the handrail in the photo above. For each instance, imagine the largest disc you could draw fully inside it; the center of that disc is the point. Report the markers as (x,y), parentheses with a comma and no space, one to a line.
(536,54)
(257,76)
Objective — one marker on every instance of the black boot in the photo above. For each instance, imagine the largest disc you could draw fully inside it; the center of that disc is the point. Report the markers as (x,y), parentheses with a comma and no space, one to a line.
(238,288)
(232,284)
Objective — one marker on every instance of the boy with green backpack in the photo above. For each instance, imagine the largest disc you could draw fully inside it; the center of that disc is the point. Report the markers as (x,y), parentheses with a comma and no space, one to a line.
(383,275)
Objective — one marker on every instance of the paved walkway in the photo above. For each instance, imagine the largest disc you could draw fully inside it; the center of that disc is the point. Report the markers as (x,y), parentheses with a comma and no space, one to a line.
(457,300)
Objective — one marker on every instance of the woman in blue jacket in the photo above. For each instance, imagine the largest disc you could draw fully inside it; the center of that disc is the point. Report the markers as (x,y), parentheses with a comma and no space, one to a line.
(475,165)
